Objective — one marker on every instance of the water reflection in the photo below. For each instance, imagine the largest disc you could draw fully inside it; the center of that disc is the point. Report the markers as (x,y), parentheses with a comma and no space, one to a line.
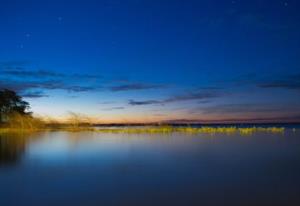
(12,147)
(87,168)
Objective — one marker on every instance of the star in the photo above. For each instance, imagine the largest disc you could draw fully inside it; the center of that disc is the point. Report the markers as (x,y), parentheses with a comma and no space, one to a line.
(285,4)
(28,35)
(59,18)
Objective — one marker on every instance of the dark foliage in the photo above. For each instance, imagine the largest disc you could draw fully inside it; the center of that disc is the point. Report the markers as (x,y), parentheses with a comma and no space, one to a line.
(11,103)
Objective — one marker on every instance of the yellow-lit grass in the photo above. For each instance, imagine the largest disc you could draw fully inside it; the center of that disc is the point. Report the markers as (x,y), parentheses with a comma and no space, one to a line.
(17,122)
(193,130)
(138,130)
(152,129)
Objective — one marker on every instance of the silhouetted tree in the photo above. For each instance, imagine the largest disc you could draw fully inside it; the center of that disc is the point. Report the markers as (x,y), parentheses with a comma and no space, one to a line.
(11,103)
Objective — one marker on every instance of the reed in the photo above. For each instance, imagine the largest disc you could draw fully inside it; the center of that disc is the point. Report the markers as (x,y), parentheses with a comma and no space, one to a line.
(78,123)
(193,130)
(18,122)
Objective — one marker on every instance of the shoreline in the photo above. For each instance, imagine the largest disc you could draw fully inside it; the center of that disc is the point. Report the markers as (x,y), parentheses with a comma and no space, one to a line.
(154,129)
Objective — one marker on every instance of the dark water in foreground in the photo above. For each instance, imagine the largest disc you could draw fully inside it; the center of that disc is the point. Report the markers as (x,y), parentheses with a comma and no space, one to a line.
(61,168)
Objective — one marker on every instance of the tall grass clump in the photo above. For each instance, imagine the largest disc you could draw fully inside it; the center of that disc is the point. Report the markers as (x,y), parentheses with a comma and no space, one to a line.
(16,121)
(78,122)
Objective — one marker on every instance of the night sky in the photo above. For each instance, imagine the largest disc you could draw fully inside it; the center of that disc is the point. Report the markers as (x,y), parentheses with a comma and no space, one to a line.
(154,60)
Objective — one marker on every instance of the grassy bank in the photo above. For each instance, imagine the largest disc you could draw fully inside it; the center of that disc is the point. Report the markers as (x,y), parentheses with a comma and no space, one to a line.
(193,130)
(17,123)
(152,129)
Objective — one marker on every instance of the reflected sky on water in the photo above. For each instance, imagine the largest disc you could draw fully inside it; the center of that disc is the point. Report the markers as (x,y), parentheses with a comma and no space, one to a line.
(63,168)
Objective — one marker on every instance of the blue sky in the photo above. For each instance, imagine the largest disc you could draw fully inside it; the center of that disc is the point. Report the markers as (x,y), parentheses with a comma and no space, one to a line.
(150,60)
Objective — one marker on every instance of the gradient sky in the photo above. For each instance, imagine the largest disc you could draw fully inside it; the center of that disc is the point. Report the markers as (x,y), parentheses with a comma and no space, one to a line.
(154,60)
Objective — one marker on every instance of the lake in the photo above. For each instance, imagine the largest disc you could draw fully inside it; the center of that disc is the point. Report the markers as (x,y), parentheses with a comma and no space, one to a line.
(90,168)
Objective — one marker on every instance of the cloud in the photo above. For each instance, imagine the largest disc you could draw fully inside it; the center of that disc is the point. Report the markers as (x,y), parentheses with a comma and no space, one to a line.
(22,86)
(135,86)
(147,102)
(278,81)
(19,76)
(241,108)
(19,69)
(34,94)
(281,84)
(21,73)
(198,95)
(113,108)
(79,88)
(30,82)
(190,96)
(285,82)
(276,119)
(204,101)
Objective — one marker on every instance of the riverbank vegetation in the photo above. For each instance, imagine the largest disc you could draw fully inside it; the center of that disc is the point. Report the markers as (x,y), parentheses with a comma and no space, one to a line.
(165,129)
(192,130)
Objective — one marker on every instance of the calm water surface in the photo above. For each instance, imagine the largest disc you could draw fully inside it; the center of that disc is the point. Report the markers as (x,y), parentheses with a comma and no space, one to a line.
(61,168)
